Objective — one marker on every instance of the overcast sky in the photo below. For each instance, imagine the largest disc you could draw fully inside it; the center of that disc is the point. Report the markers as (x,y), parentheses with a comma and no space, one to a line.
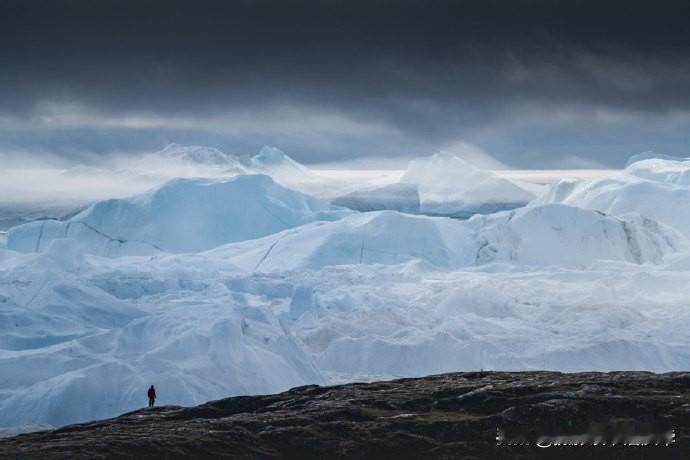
(536,84)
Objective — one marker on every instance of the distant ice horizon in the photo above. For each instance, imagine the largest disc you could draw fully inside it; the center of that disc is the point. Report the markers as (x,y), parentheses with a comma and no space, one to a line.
(538,176)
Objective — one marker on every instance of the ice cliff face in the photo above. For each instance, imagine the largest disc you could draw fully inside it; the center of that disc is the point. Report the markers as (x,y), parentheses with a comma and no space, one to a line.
(385,237)
(555,235)
(192,215)
(184,215)
(448,185)
(572,237)
(445,185)
(656,188)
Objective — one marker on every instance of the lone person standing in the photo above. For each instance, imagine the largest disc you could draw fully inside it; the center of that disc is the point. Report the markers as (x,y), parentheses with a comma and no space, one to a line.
(152,396)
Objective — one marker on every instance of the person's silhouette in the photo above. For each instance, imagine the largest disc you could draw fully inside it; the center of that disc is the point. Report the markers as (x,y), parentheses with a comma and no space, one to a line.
(152,396)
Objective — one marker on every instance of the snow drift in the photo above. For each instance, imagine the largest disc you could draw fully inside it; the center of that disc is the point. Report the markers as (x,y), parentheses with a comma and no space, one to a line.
(183,215)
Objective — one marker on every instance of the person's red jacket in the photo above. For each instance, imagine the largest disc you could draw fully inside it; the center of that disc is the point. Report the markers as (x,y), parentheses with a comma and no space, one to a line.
(152,393)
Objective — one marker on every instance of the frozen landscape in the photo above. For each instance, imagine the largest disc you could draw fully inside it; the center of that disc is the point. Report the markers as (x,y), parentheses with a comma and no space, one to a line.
(213,275)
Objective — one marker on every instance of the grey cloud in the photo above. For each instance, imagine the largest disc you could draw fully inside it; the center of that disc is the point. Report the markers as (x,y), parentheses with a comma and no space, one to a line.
(526,80)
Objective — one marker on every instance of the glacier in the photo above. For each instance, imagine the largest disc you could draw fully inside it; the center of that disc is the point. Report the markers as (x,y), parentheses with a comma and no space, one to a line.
(238,284)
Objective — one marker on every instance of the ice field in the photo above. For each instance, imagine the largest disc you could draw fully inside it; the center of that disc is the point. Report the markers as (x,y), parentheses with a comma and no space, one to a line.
(246,278)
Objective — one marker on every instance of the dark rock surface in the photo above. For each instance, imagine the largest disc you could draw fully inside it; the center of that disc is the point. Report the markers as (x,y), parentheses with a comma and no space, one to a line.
(442,416)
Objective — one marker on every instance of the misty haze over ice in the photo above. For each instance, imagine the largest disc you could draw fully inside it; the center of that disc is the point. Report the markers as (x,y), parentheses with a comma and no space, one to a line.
(212,275)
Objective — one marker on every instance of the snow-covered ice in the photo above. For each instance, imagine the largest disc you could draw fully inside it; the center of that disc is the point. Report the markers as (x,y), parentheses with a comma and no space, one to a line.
(199,155)
(545,235)
(449,185)
(656,188)
(274,162)
(81,337)
(443,184)
(67,190)
(183,215)
(240,285)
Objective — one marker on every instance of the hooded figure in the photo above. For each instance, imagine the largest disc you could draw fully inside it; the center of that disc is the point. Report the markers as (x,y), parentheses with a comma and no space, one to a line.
(152,396)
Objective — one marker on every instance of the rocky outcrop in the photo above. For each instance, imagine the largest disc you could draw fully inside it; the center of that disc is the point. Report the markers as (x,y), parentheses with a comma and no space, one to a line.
(457,415)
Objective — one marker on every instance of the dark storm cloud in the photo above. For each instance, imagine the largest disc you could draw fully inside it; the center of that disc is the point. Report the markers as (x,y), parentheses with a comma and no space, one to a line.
(524,79)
